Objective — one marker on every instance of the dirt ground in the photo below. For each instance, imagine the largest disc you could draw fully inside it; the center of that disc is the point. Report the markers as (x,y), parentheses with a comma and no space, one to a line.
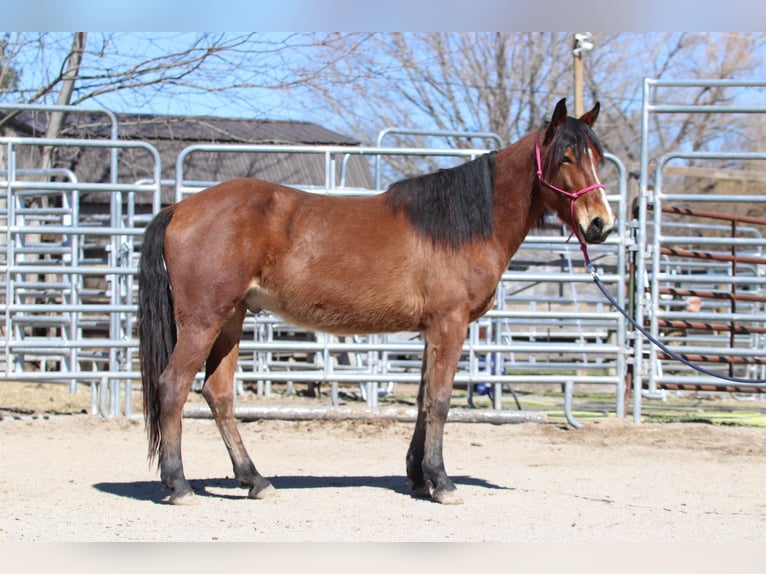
(79,477)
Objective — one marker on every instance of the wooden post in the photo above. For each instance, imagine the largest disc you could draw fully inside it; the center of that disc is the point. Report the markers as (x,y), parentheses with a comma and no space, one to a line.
(578,104)
(582,43)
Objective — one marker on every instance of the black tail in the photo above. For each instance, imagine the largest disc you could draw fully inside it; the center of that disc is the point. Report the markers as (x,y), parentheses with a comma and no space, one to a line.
(156,323)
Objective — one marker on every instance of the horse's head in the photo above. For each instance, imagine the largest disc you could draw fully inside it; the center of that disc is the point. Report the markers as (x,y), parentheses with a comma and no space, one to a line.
(568,156)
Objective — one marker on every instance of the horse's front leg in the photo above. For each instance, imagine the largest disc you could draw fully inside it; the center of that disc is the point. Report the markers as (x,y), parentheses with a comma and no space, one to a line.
(417,445)
(444,342)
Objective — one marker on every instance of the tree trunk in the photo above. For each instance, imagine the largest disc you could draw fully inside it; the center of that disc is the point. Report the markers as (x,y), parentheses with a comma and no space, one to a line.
(53,130)
(65,95)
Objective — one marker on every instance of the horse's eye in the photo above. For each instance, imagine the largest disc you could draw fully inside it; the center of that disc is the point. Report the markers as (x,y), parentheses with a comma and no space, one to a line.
(566,159)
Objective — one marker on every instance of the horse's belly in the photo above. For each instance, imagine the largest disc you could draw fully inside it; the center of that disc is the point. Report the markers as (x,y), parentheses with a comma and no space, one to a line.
(334,315)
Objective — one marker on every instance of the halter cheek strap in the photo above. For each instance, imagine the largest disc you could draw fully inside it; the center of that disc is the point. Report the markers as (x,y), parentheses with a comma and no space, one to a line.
(572,195)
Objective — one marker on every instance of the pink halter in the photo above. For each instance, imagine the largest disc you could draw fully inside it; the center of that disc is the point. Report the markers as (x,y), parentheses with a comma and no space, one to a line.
(572,195)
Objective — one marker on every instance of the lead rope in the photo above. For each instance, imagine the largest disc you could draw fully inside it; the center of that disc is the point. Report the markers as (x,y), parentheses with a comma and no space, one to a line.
(664,348)
(574,196)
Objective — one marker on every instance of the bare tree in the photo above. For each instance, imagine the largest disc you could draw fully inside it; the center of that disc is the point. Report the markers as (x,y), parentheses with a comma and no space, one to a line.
(508,82)
(615,72)
(9,76)
(68,80)
(464,82)
(145,71)
(448,81)
(682,56)
(505,83)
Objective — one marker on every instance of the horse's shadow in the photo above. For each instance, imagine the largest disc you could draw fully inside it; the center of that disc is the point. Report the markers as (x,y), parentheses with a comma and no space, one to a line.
(226,488)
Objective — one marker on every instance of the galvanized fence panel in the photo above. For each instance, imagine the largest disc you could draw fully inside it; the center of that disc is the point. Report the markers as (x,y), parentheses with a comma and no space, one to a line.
(549,324)
(68,276)
(68,295)
(700,267)
(69,298)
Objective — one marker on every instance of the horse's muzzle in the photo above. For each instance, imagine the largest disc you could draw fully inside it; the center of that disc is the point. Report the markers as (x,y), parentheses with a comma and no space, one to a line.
(597,231)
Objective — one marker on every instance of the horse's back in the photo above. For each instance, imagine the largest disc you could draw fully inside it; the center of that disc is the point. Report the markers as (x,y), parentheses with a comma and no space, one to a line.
(333,263)
(231,199)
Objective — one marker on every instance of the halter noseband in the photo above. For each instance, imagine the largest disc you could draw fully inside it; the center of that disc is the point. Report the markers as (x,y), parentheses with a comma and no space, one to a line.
(572,195)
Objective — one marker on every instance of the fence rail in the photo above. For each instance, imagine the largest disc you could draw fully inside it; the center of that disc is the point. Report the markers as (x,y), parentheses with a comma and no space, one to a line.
(700,267)
(68,293)
(692,273)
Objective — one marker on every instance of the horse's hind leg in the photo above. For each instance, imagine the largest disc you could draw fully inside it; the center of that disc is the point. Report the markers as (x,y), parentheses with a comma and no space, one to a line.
(174,385)
(219,394)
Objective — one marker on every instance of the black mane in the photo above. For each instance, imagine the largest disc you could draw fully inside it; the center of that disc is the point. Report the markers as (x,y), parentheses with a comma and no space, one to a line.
(451,206)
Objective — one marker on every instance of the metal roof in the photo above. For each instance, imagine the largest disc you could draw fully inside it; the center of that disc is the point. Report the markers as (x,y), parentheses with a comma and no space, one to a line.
(171,134)
(147,127)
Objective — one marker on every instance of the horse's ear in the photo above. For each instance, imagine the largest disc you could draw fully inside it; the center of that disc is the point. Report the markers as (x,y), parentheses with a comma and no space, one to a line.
(590,117)
(558,118)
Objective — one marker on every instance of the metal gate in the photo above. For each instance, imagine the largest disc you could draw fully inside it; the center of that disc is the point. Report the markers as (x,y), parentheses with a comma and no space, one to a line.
(68,294)
(549,323)
(700,269)
(68,276)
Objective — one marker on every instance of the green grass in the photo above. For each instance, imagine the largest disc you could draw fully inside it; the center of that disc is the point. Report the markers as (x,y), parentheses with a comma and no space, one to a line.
(589,407)
(740,418)
(715,409)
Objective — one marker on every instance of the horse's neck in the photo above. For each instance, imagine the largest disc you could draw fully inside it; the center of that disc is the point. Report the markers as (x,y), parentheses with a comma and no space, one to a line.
(517,207)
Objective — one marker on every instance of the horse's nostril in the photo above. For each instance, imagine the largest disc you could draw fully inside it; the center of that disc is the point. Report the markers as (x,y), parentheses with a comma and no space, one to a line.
(597,231)
(597,225)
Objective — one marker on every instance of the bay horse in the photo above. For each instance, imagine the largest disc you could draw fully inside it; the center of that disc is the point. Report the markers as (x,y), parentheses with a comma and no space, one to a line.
(426,256)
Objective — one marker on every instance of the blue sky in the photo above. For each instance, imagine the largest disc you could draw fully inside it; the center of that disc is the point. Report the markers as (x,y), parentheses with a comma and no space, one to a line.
(274,104)
(254,103)
(389,15)
(264,103)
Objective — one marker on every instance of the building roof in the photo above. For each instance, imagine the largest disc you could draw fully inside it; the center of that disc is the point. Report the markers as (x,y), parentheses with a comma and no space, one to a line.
(172,134)
(147,127)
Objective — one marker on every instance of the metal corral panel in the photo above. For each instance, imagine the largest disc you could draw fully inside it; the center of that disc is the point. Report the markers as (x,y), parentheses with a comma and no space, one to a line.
(69,293)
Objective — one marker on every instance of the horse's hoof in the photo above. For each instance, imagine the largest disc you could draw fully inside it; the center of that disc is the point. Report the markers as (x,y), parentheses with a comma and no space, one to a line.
(184,499)
(421,491)
(447,497)
(260,492)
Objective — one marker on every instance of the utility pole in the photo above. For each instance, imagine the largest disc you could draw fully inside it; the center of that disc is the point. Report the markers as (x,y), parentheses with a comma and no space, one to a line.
(583,42)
